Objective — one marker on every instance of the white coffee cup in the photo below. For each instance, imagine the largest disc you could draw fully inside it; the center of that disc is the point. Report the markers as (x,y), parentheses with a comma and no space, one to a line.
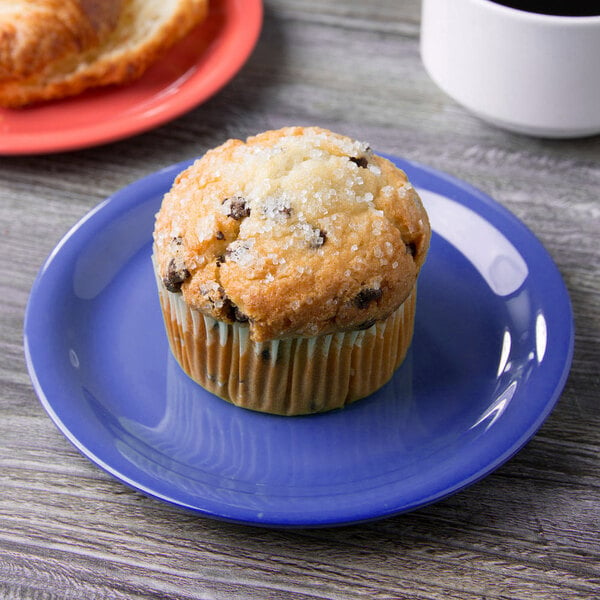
(527,72)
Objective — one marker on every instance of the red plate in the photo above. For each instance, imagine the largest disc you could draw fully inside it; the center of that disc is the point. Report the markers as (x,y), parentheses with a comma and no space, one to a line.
(191,72)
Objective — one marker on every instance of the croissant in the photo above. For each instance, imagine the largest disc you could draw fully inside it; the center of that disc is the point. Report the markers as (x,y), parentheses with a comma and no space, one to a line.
(52,49)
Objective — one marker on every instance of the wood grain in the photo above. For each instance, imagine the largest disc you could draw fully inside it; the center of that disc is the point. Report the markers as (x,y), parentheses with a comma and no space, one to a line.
(528,531)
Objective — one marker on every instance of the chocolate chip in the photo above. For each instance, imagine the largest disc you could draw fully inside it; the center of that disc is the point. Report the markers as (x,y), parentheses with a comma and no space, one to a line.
(175,276)
(361,161)
(233,312)
(366,296)
(318,239)
(237,208)
(229,309)
(239,316)
(220,260)
(178,241)
(411,248)
(220,235)
(277,208)
(265,354)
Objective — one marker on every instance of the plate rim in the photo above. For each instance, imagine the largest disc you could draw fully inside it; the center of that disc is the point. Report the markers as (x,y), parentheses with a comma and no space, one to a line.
(136,194)
(195,93)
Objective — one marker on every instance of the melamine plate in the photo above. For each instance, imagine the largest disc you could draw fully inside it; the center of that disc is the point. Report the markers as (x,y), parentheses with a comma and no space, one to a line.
(191,72)
(491,352)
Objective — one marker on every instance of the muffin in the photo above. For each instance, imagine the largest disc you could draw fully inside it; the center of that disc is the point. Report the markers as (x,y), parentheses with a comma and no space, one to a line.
(287,268)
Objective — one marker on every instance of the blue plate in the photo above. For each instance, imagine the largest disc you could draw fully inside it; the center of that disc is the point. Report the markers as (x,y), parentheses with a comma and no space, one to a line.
(492,349)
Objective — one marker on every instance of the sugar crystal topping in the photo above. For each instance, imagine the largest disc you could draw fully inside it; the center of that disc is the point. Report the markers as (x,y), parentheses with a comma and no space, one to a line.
(288,212)
(295,191)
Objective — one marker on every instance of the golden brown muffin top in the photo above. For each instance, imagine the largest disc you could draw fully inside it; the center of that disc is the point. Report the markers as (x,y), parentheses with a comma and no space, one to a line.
(298,231)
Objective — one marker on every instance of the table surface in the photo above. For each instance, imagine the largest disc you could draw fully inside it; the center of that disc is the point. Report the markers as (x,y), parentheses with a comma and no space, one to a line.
(529,530)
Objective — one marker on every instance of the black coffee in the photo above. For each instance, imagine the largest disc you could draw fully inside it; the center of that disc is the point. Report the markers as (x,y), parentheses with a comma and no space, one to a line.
(564,8)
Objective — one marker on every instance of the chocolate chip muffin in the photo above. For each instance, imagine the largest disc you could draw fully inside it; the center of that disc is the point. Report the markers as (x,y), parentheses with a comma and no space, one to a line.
(287,269)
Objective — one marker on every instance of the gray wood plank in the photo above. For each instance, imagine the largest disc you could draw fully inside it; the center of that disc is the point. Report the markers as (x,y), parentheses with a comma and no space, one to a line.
(528,531)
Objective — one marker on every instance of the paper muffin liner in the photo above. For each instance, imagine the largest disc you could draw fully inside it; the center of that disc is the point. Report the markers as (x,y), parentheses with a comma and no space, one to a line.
(291,376)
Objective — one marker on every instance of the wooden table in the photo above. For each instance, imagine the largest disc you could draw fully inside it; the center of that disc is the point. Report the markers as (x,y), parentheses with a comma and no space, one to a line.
(529,530)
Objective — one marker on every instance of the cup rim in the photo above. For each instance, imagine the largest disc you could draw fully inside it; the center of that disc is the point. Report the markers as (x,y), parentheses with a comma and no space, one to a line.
(564,20)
